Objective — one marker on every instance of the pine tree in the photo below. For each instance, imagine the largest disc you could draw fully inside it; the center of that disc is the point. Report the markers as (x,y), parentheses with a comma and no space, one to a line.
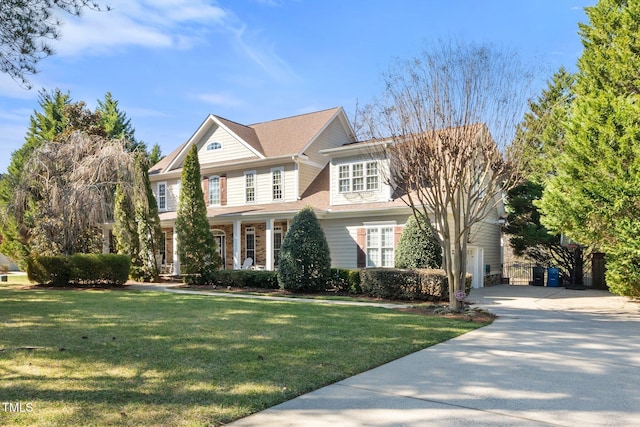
(305,262)
(116,124)
(418,246)
(196,246)
(595,196)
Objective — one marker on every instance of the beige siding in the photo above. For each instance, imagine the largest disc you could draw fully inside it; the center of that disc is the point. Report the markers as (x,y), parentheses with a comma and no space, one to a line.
(306,174)
(172,193)
(383,194)
(487,235)
(236,185)
(333,136)
(342,233)
(231,149)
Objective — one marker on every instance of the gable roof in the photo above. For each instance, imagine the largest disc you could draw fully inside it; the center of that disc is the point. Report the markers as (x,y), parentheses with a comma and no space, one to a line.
(288,136)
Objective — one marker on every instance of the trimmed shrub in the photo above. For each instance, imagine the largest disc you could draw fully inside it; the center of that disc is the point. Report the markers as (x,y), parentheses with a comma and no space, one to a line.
(346,280)
(304,264)
(418,248)
(80,270)
(246,278)
(419,284)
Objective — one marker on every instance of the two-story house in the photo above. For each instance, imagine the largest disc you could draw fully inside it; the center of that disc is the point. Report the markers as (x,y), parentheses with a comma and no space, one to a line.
(257,177)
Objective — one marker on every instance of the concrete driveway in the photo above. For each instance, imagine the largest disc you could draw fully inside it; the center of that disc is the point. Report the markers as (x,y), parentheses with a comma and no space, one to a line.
(554,357)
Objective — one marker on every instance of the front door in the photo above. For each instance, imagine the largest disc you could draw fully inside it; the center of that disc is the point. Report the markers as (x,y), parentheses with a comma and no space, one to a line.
(219,237)
(475,261)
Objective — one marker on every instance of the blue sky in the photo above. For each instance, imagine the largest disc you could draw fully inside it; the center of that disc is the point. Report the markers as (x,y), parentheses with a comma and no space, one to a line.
(170,63)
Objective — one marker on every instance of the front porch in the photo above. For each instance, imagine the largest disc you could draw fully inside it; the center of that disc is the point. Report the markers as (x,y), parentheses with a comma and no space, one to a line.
(241,244)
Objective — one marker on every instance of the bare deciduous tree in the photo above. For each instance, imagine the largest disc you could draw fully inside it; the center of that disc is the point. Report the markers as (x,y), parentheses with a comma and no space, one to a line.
(448,115)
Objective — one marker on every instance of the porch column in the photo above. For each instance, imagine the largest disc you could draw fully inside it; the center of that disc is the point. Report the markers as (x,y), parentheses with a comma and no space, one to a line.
(176,258)
(269,243)
(237,245)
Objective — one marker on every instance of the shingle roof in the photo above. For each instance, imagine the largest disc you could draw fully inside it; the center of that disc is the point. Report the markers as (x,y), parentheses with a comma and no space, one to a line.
(291,135)
(280,137)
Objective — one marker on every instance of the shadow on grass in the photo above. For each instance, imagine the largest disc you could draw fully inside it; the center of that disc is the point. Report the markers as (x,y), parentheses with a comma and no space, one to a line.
(187,359)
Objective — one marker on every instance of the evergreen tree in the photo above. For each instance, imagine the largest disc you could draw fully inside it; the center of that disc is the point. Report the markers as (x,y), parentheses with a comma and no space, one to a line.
(540,139)
(196,246)
(418,246)
(155,155)
(116,124)
(595,196)
(305,262)
(148,220)
(125,229)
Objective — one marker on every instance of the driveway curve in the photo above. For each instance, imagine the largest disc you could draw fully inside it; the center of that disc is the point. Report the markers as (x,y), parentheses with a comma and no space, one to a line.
(554,357)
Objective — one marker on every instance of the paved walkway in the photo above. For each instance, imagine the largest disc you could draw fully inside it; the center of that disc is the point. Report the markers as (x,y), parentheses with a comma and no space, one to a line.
(554,357)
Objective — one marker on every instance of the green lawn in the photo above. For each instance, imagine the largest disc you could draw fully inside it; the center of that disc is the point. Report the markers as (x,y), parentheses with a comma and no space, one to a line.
(97,358)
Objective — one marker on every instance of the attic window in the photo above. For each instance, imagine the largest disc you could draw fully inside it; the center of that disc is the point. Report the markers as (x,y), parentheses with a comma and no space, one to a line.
(214,146)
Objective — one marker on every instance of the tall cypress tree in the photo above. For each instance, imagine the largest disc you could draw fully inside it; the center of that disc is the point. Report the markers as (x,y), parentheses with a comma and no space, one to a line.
(595,197)
(196,246)
(148,221)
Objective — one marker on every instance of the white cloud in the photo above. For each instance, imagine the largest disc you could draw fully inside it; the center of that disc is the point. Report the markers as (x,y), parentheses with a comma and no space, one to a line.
(167,24)
(151,24)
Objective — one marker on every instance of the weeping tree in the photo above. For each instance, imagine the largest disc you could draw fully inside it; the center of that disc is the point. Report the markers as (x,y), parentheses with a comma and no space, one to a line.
(446,115)
(67,191)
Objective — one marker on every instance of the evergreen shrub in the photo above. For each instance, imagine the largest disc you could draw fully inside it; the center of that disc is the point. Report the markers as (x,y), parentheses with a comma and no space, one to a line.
(418,248)
(79,270)
(405,284)
(346,280)
(304,264)
(262,279)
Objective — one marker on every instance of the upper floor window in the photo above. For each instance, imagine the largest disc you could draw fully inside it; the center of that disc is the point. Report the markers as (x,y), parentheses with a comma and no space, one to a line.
(276,184)
(162,196)
(250,186)
(358,177)
(214,146)
(214,190)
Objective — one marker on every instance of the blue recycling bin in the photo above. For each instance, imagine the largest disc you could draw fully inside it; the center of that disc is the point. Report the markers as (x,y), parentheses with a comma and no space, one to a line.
(553,277)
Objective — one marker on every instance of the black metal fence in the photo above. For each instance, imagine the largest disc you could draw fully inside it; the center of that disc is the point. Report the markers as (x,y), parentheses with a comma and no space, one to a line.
(521,273)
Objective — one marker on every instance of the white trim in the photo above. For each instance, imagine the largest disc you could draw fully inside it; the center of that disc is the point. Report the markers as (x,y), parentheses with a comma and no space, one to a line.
(219,191)
(379,246)
(166,195)
(282,180)
(248,231)
(213,143)
(196,135)
(255,187)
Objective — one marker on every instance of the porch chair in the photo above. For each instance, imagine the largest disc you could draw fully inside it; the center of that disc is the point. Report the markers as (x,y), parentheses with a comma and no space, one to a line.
(247,263)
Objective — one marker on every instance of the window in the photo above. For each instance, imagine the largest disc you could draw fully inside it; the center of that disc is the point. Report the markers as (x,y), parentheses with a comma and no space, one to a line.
(220,238)
(358,177)
(277,244)
(214,146)
(250,243)
(276,184)
(250,186)
(372,176)
(162,196)
(357,181)
(344,179)
(380,247)
(214,190)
